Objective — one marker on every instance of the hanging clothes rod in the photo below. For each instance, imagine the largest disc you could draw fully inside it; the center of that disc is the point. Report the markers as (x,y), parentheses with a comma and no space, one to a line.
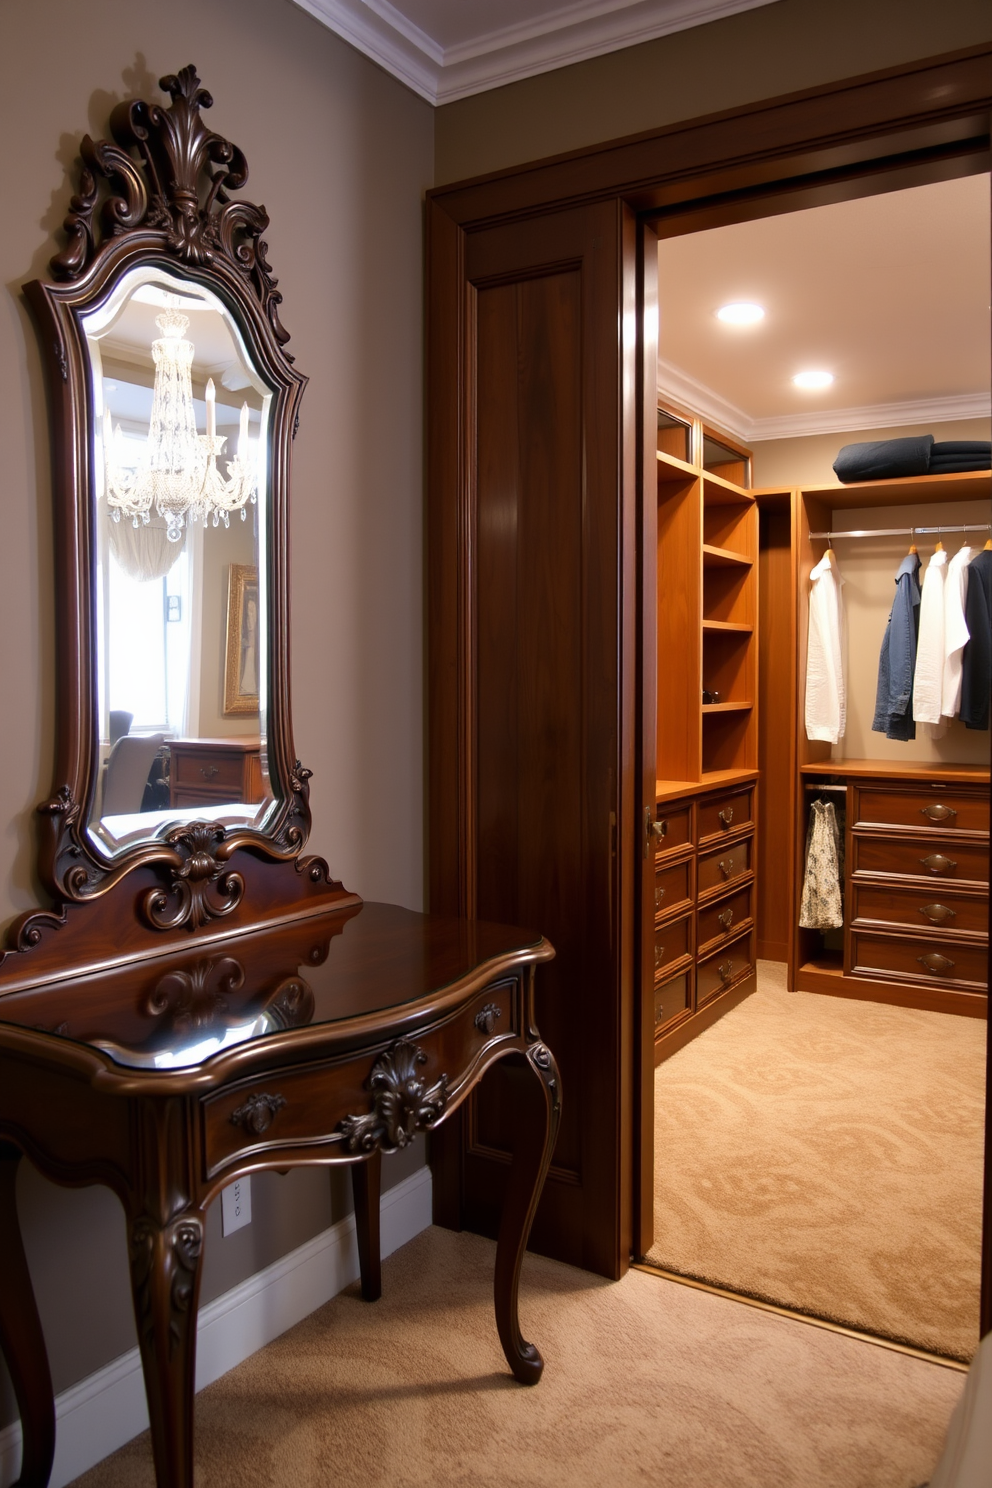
(822,789)
(903,531)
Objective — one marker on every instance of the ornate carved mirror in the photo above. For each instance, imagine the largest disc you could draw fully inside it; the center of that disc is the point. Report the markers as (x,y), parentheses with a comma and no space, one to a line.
(174,407)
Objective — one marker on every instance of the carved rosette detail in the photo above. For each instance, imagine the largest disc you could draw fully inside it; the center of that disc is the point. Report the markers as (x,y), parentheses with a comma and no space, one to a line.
(543,1061)
(182,1242)
(258,1112)
(485,1021)
(193,999)
(203,886)
(155,170)
(402,1104)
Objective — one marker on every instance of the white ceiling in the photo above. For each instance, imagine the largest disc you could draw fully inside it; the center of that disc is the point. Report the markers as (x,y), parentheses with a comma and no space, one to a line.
(889,293)
(448,49)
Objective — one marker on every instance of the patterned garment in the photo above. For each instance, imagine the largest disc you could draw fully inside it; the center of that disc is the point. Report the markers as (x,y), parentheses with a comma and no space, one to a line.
(822,906)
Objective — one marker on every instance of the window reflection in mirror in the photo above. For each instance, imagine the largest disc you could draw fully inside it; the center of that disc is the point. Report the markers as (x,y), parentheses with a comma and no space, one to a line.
(181,507)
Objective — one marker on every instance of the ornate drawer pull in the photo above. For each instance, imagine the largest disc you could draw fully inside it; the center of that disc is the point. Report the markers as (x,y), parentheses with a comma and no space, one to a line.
(257,1112)
(659,956)
(485,1021)
(937,812)
(935,962)
(401,1103)
(209,771)
(726,866)
(659,894)
(726,817)
(726,918)
(937,912)
(660,829)
(726,970)
(937,863)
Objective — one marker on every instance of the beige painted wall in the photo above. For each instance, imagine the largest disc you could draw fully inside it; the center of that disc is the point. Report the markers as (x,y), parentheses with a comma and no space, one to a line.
(808,461)
(340,154)
(741,59)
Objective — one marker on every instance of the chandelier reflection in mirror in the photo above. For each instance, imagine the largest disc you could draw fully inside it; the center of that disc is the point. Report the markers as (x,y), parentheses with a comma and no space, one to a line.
(176,475)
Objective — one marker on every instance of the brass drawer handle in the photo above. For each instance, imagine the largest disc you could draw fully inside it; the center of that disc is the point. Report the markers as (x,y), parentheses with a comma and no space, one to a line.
(937,912)
(937,863)
(659,957)
(935,962)
(936,811)
(726,970)
(726,866)
(726,817)
(660,829)
(726,918)
(209,771)
(659,894)
(485,1021)
(257,1112)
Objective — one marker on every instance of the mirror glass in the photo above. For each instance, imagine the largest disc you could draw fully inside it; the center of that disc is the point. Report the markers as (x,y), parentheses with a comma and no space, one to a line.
(181,508)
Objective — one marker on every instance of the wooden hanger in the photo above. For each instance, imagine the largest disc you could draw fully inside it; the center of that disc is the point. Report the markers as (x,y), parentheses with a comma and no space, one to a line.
(988,545)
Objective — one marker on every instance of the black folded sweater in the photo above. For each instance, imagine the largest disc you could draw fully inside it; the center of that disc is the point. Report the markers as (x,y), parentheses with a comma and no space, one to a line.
(889,459)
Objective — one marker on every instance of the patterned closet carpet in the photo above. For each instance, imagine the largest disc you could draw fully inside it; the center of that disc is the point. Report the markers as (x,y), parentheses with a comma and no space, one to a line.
(826,1155)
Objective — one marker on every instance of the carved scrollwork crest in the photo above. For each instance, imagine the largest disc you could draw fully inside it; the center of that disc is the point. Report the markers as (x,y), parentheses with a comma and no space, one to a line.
(402,1104)
(195,998)
(203,886)
(177,186)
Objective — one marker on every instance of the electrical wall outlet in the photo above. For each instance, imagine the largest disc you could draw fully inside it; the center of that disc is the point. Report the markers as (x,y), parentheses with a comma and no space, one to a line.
(235,1205)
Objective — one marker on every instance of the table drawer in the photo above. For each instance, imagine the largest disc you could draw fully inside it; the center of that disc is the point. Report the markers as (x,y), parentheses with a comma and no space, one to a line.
(671,942)
(944,810)
(210,769)
(922,909)
(306,1104)
(718,815)
(672,998)
(967,862)
(721,865)
(723,918)
(676,823)
(673,888)
(921,959)
(724,967)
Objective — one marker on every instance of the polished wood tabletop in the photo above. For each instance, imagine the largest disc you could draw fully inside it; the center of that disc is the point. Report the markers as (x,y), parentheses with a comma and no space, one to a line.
(328,1039)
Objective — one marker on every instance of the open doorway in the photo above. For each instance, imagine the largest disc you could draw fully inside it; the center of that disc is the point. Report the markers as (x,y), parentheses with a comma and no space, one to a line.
(821,1153)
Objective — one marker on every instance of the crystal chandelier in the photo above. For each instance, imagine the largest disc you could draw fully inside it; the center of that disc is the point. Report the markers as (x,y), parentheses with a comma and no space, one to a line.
(176,474)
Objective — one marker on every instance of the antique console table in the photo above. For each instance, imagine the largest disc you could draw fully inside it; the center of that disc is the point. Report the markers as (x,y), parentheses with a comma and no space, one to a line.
(329,1039)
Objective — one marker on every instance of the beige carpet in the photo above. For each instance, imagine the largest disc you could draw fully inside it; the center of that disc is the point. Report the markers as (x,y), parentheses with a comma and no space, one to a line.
(826,1155)
(646,1382)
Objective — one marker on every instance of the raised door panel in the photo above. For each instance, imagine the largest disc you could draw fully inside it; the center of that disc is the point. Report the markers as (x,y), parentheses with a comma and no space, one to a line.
(527,829)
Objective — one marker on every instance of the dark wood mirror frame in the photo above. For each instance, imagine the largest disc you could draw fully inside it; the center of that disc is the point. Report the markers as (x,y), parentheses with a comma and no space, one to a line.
(157,194)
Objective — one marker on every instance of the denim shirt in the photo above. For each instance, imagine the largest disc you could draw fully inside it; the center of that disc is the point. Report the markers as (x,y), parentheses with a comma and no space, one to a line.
(897,662)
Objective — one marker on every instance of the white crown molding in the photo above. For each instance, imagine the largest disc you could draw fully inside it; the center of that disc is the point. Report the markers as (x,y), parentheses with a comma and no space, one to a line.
(108,1408)
(570,33)
(696,397)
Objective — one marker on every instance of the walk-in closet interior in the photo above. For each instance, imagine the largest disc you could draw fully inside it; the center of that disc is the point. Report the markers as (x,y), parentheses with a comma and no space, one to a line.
(822,823)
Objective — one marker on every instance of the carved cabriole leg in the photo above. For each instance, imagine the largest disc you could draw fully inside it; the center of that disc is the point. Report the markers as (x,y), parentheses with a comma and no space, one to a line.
(21,1338)
(165,1283)
(528,1171)
(366,1182)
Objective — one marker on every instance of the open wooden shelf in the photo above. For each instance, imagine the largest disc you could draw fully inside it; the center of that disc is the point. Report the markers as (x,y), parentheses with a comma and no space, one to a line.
(671,465)
(726,707)
(925,769)
(970,485)
(720,492)
(726,777)
(724,558)
(727,625)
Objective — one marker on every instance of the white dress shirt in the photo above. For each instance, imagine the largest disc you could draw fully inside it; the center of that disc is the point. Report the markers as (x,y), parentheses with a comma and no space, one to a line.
(929,674)
(955,630)
(826,692)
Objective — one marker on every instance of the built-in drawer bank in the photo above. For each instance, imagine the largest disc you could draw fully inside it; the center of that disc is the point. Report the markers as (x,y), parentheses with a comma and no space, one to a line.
(921,959)
(927,908)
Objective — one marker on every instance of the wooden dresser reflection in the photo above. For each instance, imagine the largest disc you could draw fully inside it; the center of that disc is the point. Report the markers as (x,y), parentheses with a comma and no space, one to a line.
(205,771)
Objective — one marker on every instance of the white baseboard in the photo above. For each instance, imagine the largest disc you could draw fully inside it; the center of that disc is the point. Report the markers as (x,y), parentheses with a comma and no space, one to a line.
(108,1408)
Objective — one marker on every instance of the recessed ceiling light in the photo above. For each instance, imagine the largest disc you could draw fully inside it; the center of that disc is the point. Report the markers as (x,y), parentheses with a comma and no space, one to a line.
(813,379)
(740,313)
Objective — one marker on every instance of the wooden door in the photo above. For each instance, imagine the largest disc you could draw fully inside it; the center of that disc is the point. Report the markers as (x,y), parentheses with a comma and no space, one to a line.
(532,684)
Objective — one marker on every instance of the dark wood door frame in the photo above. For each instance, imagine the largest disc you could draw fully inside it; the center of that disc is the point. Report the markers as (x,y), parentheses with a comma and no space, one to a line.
(924,121)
